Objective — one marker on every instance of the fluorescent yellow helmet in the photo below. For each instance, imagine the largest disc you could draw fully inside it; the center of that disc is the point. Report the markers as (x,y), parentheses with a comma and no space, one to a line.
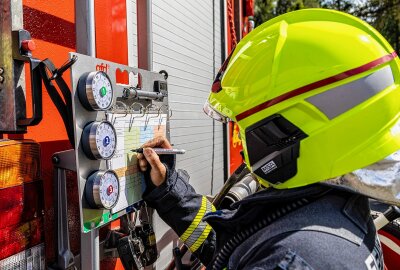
(316,95)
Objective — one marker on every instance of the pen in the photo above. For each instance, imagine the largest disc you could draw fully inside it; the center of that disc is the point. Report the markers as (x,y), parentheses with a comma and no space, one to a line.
(162,151)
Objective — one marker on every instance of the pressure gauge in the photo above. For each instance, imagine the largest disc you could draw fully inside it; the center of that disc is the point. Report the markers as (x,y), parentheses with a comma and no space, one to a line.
(95,91)
(102,189)
(99,140)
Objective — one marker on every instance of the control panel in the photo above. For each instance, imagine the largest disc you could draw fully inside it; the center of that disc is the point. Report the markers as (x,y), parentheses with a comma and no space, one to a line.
(116,108)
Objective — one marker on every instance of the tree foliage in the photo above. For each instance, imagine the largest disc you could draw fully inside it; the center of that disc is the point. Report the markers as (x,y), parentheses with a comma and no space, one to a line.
(267,9)
(384,15)
(342,5)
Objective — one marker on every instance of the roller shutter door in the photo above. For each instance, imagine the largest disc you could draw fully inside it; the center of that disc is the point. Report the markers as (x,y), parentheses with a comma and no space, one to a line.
(183,44)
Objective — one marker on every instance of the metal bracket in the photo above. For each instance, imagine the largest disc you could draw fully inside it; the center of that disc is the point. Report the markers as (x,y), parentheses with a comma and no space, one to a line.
(62,161)
(89,257)
(65,160)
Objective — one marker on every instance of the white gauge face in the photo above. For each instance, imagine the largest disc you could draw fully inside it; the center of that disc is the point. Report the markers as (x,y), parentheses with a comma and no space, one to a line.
(102,90)
(109,189)
(106,141)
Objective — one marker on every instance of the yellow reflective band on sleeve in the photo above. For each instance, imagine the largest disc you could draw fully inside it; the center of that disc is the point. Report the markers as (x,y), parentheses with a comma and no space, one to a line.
(196,220)
(198,231)
(201,239)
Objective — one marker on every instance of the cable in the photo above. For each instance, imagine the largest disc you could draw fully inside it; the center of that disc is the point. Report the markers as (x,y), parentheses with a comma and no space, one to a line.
(213,126)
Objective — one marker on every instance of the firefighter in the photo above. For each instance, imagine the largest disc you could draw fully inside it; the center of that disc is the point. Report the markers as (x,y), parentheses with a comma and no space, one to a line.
(316,96)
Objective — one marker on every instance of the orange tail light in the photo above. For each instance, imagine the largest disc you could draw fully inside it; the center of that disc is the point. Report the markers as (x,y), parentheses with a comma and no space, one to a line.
(19,162)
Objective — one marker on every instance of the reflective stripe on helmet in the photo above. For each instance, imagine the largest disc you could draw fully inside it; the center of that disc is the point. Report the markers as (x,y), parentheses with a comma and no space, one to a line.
(315,85)
(349,95)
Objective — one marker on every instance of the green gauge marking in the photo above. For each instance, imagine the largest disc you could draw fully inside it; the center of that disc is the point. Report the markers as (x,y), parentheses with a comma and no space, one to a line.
(103,91)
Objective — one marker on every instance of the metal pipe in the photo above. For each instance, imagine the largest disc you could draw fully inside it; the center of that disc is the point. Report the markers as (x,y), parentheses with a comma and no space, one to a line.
(132,93)
(86,44)
(85,27)
(225,129)
(149,26)
(90,250)
(144,32)
(91,30)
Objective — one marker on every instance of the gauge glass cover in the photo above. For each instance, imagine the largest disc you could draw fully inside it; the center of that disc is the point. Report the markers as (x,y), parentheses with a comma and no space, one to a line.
(102,90)
(105,140)
(109,189)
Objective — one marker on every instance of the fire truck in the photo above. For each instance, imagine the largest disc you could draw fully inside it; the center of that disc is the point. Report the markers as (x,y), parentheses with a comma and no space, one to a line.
(81,83)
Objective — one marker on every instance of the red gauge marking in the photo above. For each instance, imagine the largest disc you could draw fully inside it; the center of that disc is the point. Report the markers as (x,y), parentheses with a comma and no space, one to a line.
(110,190)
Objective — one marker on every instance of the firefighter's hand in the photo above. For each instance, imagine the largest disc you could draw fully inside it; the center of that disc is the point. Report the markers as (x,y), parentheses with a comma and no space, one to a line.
(150,158)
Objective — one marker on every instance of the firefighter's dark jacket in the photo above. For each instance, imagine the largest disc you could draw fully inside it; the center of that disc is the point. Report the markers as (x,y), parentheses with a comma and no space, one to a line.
(333,231)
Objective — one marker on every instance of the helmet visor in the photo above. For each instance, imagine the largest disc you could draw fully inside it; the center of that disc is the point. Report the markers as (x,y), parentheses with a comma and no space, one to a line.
(214,114)
(380,180)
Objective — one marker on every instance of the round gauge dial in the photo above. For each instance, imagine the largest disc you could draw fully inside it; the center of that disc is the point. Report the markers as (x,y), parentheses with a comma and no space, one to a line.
(102,189)
(99,140)
(95,91)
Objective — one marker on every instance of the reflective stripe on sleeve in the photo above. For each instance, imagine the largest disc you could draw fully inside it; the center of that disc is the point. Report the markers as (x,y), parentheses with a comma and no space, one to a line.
(198,231)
